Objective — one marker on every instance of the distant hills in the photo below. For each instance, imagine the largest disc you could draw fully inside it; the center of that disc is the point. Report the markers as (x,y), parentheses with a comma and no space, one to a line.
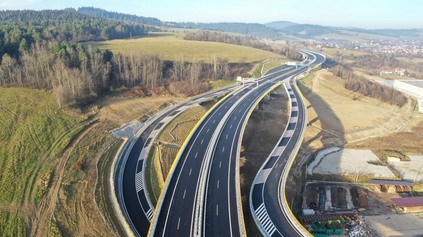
(272,30)
(100,13)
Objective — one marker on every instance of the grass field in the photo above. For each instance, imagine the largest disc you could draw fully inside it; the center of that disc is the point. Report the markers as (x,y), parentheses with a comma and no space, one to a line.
(33,133)
(346,52)
(172,47)
(265,66)
(215,85)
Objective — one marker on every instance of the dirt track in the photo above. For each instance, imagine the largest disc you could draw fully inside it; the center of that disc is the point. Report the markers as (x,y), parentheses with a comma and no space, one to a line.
(41,217)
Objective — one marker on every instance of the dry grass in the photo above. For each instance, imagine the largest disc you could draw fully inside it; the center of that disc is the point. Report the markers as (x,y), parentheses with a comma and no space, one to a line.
(345,52)
(410,142)
(350,116)
(34,131)
(122,110)
(171,47)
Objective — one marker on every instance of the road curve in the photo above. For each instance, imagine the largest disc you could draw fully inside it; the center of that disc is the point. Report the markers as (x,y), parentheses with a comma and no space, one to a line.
(130,178)
(267,197)
(180,211)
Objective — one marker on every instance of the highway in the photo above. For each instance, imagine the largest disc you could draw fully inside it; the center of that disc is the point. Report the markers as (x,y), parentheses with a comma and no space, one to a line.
(202,194)
(267,198)
(130,190)
(194,181)
(222,194)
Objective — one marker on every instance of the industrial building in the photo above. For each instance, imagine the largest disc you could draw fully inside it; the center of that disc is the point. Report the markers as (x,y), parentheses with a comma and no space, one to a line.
(413,88)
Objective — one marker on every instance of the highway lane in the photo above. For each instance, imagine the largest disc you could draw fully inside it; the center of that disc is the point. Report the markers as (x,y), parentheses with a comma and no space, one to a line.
(177,210)
(266,192)
(222,208)
(131,194)
(175,215)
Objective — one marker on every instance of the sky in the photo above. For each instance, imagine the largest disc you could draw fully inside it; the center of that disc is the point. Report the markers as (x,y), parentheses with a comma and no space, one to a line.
(368,14)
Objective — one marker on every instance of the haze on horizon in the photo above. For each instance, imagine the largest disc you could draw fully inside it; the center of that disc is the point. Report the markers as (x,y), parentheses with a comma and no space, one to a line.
(374,14)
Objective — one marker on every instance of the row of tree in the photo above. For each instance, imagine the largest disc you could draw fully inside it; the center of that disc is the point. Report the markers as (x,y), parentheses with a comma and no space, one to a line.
(249,41)
(369,88)
(78,75)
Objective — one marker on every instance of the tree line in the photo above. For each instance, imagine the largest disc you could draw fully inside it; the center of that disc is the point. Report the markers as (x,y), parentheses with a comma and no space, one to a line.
(42,50)
(79,74)
(249,41)
(369,88)
(66,25)
(100,13)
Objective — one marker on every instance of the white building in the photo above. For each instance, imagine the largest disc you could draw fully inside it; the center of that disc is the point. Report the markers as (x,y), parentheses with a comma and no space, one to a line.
(413,88)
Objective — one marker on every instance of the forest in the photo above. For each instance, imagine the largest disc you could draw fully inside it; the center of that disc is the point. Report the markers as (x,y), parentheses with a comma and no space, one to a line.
(43,50)
(249,41)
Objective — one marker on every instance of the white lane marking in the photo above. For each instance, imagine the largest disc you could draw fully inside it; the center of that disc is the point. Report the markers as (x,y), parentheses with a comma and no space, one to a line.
(179,222)
(214,121)
(190,171)
(208,129)
(226,136)
(230,126)
(235,117)
(149,214)
(138,181)
(185,192)
(265,220)
(220,164)
(196,154)
(223,149)
(202,141)
(218,184)
(217,210)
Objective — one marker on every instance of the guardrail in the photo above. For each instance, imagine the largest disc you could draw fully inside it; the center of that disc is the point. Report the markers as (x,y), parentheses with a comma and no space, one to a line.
(284,203)
(116,173)
(206,167)
(178,157)
(244,125)
(297,227)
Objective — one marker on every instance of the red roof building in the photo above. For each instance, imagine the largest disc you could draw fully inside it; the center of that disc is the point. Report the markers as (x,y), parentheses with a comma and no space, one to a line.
(409,204)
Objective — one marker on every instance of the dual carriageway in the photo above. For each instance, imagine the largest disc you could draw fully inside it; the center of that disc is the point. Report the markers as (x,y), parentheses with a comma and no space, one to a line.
(202,195)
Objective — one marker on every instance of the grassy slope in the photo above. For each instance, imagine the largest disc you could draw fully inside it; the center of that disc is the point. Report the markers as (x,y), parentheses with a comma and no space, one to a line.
(170,47)
(33,132)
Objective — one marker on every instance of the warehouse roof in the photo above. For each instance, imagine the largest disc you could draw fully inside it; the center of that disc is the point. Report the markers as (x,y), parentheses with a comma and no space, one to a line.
(408,201)
(391,182)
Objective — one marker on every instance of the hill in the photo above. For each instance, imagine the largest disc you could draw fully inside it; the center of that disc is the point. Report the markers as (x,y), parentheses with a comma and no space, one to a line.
(170,47)
(34,132)
(250,29)
(100,13)
(307,30)
(280,24)
(65,25)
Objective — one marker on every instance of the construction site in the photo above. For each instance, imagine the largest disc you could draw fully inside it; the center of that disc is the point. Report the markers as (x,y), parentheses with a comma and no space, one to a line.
(335,209)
